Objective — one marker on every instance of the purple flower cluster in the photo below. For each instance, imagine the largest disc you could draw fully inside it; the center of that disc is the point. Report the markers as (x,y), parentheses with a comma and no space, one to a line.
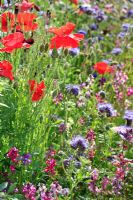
(106,108)
(29,191)
(79,142)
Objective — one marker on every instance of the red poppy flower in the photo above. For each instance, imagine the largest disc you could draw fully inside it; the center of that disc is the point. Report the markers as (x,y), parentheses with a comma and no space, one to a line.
(64,38)
(6,69)
(25,5)
(13,41)
(26,22)
(102,68)
(74,1)
(37,90)
(7,21)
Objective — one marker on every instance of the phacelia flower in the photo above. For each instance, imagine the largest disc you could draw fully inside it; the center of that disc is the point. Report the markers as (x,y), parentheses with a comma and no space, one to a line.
(82,32)
(116,51)
(74,89)
(125,132)
(79,142)
(6,69)
(64,38)
(106,108)
(74,51)
(37,90)
(128,115)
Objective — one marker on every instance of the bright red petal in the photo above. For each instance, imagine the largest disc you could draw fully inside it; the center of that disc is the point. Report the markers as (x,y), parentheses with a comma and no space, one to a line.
(102,68)
(13,40)
(32,84)
(63,30)
(56,42)
(6,69)
(69,42)
(78,36)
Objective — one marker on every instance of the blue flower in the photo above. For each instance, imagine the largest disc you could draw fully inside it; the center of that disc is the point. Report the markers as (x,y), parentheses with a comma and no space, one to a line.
(79,142)
(121,35)
(128,115)
(82,32)
(125,132)
(74,89)
(74,51)
(126,27)
(93,27)
(130,13)
(116,51)
(106,108)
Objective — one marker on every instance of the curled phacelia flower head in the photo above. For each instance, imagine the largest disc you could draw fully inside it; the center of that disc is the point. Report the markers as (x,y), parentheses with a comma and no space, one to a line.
(106,108)
(79,142)
(128,115)
(74,89)
(125,132)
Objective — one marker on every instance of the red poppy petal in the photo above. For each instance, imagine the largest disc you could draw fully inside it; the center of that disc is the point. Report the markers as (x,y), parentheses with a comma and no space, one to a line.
(69,42)
(6,69)
(56,42)
(32,84)
(63,30)
(78,36)
(13,40)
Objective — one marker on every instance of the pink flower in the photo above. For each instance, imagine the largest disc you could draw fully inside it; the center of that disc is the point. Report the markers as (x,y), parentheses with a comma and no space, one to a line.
(12,168)
(130,91)
(13,154)
(29,191)
(50,168)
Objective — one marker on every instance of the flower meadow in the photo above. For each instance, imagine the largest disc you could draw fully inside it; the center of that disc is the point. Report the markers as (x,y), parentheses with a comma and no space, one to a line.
(66,100)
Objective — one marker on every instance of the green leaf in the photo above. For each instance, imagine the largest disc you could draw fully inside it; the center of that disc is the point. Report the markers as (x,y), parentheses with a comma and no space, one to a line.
(3,186)
(12,187)
(4,105)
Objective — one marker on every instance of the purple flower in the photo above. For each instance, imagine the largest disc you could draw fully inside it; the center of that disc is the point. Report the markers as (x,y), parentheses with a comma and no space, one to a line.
(130,13)
(100,16)
(93,27)
(26,159)
(82,32)
(125,132)
(87,9)
(126,27)
(116,51)
(74,51)
(121,35)
(74,89)
(117,186)
(106,108)
(79,142)
(29,191)
(128,115)
(93,188)
(62,127)
(105,182)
